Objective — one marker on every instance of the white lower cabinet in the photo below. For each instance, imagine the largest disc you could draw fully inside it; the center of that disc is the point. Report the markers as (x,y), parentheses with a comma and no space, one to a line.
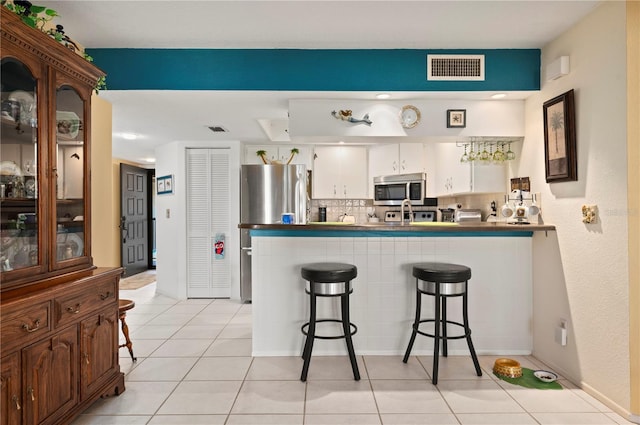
(340,172)
(453,177)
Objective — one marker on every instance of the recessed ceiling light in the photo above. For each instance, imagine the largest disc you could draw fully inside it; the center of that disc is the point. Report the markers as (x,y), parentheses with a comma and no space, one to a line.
(341,142)
(129,136)
(499,96)
(383,96)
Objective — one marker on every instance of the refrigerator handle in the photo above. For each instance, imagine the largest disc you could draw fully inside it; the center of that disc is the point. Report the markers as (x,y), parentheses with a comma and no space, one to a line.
(246,249)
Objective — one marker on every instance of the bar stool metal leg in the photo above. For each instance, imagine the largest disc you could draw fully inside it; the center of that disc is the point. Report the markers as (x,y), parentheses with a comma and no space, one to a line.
(416,324)
(467,329)
(443,300)
(344,301)
(311,332)
(436,339)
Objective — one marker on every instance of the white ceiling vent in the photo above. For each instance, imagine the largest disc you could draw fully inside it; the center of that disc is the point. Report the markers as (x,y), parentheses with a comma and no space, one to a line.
(455,67)
(218,129)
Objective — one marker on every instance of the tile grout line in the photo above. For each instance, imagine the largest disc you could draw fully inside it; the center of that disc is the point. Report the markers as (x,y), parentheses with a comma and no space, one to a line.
(373,393)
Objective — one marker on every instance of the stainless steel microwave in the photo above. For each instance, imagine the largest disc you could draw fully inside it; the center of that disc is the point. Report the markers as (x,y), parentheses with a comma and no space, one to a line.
(393,189)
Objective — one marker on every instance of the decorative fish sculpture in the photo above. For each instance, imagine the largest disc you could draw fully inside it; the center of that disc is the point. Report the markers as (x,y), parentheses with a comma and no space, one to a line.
(345,115)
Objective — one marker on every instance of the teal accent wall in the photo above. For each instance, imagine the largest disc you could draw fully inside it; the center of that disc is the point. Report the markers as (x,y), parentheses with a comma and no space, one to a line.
(307,70)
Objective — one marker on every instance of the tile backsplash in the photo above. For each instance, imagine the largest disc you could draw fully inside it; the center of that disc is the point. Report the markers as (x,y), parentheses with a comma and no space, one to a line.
(360,208)
(338,207)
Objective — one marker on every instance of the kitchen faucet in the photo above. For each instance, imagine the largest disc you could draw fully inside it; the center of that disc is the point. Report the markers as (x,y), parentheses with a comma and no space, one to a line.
(406,201)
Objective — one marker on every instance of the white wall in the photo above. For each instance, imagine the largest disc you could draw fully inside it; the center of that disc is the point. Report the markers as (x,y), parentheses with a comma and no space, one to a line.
(312,118)
(581,271)
(171,241)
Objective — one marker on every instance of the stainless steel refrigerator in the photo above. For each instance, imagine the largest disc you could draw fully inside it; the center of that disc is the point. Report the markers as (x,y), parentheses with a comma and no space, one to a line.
(266,192)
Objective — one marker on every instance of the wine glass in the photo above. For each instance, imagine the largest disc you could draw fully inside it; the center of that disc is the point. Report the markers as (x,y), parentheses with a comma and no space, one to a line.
(472,154)
(484,155)
(498,155)
(465,155)
(490,153)
(510,155)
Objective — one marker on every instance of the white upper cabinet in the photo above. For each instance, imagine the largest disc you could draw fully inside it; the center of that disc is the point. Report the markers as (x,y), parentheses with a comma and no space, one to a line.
(399,158)
(340,172)
(280,153)
(452,177)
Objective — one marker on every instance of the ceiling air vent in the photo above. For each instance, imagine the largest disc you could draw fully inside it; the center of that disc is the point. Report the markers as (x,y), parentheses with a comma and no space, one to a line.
(455,67)
(218,129)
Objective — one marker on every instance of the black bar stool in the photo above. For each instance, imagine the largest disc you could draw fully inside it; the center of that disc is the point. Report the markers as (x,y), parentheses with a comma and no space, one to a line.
(442,280)
(329,280)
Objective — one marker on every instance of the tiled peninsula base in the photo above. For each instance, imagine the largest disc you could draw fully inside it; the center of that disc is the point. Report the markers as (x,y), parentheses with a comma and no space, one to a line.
(383,299)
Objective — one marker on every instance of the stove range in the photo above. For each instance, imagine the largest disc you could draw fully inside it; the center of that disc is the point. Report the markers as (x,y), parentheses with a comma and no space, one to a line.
(393,216)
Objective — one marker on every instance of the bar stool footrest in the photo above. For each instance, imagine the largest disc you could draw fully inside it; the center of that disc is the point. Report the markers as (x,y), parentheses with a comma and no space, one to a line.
(306,326)
(449,322)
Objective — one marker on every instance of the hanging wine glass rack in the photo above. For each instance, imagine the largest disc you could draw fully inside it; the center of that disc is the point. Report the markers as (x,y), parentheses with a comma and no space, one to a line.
(475,149)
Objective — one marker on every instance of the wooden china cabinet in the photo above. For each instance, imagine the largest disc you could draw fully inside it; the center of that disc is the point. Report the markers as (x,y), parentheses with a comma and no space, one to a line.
(58,313)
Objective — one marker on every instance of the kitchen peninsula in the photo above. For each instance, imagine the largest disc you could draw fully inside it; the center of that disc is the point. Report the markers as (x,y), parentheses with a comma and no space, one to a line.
(383,299)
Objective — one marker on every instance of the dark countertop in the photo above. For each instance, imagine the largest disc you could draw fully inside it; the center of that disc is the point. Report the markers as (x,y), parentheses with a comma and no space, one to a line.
(481,227)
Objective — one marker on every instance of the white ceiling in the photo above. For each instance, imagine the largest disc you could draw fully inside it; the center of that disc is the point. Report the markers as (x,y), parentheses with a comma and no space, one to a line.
(163,116)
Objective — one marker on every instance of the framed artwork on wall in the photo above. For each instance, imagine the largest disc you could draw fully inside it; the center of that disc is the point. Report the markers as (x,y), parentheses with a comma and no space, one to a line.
(561,163)
(456,118)
(164,185)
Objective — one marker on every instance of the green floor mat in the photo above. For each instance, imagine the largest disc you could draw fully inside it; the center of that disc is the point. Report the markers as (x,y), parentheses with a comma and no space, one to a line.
(527,380)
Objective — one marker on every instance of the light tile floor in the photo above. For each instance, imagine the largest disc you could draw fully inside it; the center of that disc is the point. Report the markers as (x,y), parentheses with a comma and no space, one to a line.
(195,367)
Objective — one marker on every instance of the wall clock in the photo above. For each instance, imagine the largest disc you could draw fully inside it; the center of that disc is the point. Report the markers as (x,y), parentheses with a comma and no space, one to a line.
(409,116)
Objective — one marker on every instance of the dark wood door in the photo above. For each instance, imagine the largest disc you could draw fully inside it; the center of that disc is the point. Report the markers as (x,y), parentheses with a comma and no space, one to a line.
(134,219)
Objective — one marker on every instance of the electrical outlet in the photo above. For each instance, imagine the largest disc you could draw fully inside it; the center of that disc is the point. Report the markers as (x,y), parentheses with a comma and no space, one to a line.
(561,333)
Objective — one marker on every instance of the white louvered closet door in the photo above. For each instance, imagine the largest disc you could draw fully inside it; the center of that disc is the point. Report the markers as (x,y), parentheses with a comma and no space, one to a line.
(208,215)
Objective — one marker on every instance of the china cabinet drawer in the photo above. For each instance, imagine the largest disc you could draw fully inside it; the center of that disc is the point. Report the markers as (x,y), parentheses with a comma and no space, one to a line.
(21,325)
(69,307)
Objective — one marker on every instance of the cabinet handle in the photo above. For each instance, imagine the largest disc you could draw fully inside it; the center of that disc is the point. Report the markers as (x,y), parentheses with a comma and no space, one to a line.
(30,391)
(15,400)
(335,191)
(395,166)
(86,358)
(403,165)
(105,296)
(345,190)
(74,310)
(29,329)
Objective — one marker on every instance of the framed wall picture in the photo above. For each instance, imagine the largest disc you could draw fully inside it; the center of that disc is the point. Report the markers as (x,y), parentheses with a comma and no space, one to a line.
(560,138)
(164,185)
(456,118)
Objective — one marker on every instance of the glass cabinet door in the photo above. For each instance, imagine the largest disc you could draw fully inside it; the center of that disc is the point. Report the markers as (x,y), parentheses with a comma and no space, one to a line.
(19,152)
(70,169)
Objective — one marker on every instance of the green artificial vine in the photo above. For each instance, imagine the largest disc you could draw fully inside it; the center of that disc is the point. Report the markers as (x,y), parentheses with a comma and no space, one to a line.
(32,15)
(36,17)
